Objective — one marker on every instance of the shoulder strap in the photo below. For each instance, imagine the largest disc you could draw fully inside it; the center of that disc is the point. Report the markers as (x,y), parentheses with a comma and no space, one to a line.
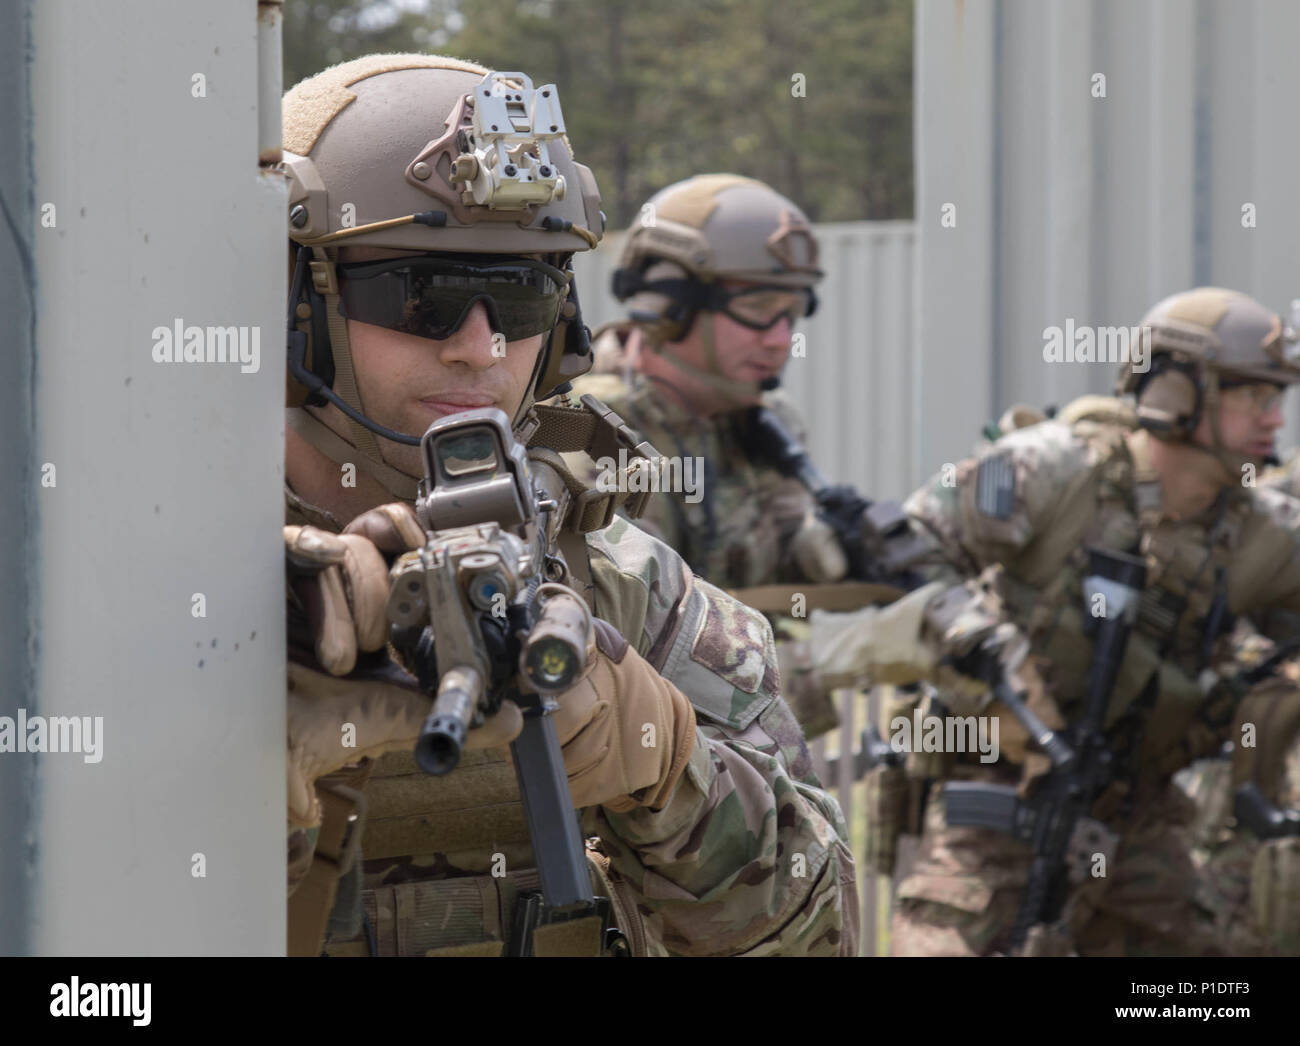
(337,848)
(338,450)
(574,548)
(600,433)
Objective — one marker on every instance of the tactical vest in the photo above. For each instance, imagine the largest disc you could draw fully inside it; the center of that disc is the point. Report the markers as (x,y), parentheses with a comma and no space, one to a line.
(1158,718)
(735,534)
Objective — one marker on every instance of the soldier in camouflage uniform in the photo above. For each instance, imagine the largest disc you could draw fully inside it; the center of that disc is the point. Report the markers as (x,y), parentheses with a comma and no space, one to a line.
(716,840)
(1010,531)
(715,273)
(1255,886)
(1242,883)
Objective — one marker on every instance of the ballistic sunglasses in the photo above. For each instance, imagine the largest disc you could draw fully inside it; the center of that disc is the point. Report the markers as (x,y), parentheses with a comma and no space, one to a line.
(430,296)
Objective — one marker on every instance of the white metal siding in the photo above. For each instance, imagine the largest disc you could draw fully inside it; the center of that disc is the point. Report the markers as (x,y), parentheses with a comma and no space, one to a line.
(168,482)
(1074,207)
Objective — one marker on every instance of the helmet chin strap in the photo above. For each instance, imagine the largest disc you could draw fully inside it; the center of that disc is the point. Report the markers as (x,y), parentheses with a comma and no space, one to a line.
(1232,462)
(341,452)
(737,394)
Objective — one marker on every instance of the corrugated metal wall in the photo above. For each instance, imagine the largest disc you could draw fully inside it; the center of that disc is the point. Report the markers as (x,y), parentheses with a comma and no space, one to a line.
(1071,206)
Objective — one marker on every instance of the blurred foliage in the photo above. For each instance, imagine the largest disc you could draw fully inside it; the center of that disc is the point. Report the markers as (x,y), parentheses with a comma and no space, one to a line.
(653,93)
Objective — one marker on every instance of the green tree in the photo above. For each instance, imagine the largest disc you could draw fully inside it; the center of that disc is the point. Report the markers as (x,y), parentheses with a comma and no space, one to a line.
(812,96)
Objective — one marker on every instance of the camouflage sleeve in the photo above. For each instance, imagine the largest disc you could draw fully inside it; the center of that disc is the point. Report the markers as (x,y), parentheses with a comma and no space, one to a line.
(750,856)
(990,508)
(786,503)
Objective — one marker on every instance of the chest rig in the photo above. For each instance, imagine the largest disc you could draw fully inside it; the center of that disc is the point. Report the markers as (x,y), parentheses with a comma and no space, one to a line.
(1159,716)
(725,536)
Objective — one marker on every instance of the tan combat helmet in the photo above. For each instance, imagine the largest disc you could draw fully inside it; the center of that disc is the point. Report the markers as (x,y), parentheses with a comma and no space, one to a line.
(1200,342)
(697,233)
(425,153)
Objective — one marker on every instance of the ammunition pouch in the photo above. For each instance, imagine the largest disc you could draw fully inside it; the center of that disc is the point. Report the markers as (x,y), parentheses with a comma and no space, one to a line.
(887,809)
(895,782)
(485,915)
(1272,708)
(1275,894)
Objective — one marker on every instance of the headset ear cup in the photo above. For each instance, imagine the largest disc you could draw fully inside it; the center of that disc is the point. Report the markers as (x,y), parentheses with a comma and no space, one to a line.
(677,321)
(1170,402)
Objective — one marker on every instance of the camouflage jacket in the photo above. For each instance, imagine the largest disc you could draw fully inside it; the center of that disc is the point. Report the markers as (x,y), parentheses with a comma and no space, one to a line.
(1030,505)
(733,526)
(749,856)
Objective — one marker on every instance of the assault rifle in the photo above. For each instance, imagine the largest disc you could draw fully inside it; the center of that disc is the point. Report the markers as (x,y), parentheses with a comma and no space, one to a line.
(487,586)
(1055,821)
(874,534)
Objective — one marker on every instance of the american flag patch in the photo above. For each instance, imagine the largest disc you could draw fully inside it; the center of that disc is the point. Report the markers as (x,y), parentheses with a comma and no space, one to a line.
(995,487)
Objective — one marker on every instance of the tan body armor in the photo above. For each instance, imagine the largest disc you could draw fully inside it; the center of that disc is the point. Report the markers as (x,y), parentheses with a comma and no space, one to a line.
(1215,565)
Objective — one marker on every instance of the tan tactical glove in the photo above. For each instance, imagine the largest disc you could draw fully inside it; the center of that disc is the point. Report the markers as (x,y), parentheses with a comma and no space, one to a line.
(341,581)
(817,551)
(334,722)
(876,644)
(626,731)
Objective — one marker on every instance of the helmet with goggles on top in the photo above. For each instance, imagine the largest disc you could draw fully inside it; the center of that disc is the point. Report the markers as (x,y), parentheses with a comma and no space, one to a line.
(717,243)
(411,152)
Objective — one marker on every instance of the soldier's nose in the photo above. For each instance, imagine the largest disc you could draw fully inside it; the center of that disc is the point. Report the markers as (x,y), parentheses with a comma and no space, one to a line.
(777,336)
(473,343)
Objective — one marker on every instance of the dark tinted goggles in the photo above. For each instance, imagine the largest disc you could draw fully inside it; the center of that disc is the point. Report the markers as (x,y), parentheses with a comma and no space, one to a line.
(431,296)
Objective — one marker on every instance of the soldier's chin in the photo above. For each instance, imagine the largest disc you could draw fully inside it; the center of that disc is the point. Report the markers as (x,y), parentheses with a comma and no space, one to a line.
(1259,459)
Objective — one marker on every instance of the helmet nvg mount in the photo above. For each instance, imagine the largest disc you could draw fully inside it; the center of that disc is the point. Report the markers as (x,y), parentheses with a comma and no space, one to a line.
(416,152)
(1200,342)
(695,234)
